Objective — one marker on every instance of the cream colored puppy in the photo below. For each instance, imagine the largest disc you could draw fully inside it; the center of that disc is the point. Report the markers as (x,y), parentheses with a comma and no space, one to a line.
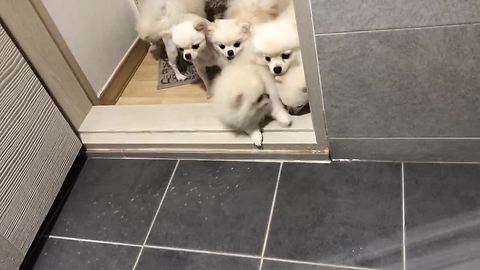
(244,95)
(158,16)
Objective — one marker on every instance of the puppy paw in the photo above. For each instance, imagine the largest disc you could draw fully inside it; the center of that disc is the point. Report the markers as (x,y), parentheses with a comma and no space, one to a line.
(284,119)
(257,138)
(180,77)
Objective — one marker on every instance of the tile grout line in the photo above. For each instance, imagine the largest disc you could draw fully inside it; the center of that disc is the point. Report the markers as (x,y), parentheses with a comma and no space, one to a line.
(319,264)
(156,214)
(404,248)
(199,251)
(267,232)
(448,25)
(92,241)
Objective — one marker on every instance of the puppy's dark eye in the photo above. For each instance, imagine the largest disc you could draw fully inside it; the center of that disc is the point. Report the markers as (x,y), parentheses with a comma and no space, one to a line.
(181,49)
(268,59)
(237,44)
(221,46)
(285,56)
(196,46)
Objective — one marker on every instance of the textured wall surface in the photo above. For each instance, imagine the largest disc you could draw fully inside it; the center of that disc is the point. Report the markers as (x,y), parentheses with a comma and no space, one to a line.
(37,149)
(400,78)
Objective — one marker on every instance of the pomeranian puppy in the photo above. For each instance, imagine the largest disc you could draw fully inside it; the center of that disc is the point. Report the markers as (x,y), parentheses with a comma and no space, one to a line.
(244,95)
(256,11)
(229,37)
(292,89)
(276,45)
(190,38)
(157,16)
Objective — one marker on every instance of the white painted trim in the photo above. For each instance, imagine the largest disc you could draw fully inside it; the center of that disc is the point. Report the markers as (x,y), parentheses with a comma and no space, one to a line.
(119,65)
(186,126)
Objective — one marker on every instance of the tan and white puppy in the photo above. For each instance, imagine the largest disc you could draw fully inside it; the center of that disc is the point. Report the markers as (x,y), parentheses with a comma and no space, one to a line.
(190,38)
(158,16)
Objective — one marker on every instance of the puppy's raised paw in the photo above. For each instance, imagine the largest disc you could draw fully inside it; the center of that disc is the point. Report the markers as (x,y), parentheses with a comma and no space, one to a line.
(257,138)
(180,77)
(284,119)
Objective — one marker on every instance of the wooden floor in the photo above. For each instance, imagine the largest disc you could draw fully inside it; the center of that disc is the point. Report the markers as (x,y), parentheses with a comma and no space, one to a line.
(142,88)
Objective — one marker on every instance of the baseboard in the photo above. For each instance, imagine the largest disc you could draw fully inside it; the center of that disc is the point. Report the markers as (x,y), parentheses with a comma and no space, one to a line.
(208,153)
(125,71)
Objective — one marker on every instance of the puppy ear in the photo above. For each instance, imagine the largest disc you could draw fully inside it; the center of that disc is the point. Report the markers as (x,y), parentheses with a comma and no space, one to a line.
(166,34)
(237,101)
(201,26)
(246,27)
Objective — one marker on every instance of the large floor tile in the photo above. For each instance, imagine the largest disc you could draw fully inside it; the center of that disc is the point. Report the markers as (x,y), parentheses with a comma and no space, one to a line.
(408,83)
(275,265)
(354,15)
(74,255)
(154,259)
(340,213)
(442,216)
(114,200)
(402,149)
(217,206)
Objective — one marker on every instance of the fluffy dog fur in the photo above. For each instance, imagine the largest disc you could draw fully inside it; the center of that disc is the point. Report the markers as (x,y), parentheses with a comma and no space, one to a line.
(256,11)
(292,89)
(243,104)
(158,16)
(276,45)
(190,37)
(229,37)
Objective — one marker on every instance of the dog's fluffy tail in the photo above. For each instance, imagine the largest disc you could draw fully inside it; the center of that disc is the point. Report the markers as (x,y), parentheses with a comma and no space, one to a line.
(256,11)
(157,16)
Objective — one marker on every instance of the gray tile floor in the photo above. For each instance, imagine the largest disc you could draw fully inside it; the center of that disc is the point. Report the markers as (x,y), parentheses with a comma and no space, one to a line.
(216,215)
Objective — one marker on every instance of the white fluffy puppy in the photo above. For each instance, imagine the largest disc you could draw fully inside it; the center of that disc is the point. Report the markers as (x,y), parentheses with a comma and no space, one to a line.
(157,16)
(190,37)
(276,45)
(229,37)
(292,89)
(244,95)
(255,11)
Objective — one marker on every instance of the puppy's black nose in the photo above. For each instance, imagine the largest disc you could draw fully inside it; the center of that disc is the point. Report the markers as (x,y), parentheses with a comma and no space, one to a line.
(230,53)
(188,56)
(277,70)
